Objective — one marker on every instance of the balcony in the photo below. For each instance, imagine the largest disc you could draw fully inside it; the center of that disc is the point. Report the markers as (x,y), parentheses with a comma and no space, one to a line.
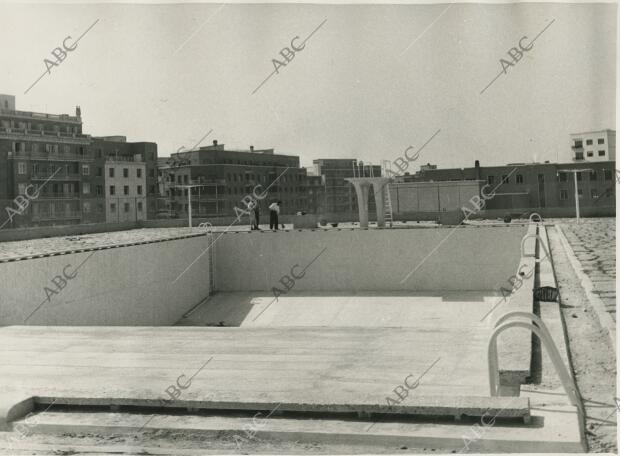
(41,116)
(56,176)
(59,196)
(578,145)
(23,132)
(48,156)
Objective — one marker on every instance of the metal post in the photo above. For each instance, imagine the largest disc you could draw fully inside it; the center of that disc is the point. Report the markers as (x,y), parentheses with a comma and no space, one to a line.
(576,196)
(189,204)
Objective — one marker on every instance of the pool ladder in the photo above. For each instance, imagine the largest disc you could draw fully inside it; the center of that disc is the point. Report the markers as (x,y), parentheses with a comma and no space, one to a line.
(538,327)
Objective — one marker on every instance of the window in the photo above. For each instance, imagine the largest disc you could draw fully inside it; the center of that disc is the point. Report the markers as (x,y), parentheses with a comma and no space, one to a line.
(601,141)
(139,206)
(152,189)
(185,179)
(578,174)
(563,177)
(66,150)
(139,172)
(588,142)
(99,171)
(125,172)
(594,193)
(126,189)
(85,188)
(113,207)
(505,179)
(85,170)
(21,189)
(86,207)
(578,155)
(607,174)
(578,144)
(519,178)
(139,189)
(152,172)
(601,153)
(593,175)
(21,168)
(580,193)
(99,190)
(590,153)
(35,148)
(112,190)
(563,194)
(126,207)
(111,172)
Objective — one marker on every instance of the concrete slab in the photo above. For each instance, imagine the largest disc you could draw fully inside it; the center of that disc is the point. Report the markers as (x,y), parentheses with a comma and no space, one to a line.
(552,430)
(289,365)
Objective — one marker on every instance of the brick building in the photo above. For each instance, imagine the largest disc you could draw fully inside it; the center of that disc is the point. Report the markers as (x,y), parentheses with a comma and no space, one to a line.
(226,176)
(546,188)
(47,159)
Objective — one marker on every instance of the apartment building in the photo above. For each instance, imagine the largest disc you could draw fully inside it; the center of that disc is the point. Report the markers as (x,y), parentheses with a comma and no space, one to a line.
(48,157)
(222,177)
(47,161)
(594,146)
(125,189)
(115,152)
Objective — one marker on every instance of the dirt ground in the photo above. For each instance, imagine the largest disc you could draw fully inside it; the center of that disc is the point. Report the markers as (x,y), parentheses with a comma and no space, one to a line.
(592,356)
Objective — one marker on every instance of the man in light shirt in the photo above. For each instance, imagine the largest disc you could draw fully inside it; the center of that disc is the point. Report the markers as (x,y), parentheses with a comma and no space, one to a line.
(274,211)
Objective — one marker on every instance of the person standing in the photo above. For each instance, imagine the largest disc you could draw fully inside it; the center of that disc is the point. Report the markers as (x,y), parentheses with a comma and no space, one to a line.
(274,211)
(256,210)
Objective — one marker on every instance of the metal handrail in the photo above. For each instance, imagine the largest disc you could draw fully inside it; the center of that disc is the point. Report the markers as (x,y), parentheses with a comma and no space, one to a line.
(540,329)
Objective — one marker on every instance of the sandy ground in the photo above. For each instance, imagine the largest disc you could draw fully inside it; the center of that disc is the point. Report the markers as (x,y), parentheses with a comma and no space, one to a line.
(592,355)
(594,243)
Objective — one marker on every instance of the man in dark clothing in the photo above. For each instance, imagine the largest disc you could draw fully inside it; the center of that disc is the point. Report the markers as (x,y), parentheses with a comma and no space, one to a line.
(274,211)
(256,210)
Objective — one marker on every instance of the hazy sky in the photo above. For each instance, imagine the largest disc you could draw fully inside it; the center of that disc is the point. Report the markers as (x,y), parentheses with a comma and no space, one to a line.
(370,82)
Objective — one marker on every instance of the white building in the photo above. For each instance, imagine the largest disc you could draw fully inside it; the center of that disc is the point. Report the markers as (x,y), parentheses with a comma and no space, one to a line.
(594,146)
(125,189)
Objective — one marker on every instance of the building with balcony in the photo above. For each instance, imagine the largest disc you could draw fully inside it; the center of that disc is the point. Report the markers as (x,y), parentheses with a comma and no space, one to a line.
(48,157)
(593,146)
(49,152)
(223,177)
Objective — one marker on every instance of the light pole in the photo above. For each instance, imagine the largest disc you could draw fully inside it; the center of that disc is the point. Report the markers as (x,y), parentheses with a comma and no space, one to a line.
(189,198)
(575,171)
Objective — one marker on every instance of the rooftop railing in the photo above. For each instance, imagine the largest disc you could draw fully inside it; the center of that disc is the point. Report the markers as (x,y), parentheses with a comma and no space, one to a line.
(40,115)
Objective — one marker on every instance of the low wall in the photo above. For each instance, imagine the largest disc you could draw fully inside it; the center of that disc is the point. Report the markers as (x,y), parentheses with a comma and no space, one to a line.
(461,258)
(132,285)
(21,234)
